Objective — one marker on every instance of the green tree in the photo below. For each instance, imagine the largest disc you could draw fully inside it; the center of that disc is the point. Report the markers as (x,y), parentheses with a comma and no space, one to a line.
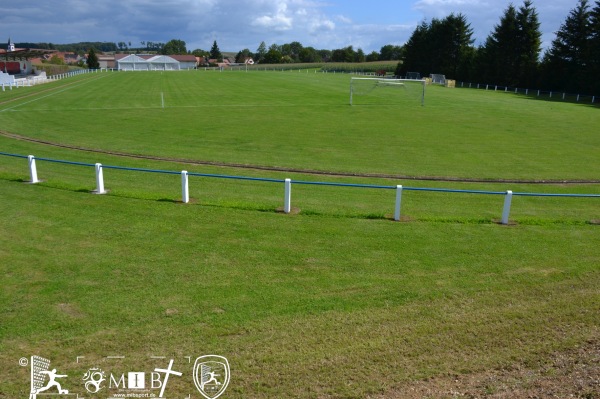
(309,54)
(92,60)
(454,40)
(200,53)
(56,60)
(390,52)
(595,48)
(325,55)
(292,50)
(243,55)
(511,52)
(215,53)
(359,56)
(373,56)
(261,51)
(566,64)
(346,54)
(415,51)
(499,54)
(174,47)
(529,43)
(273,56)
(442,46)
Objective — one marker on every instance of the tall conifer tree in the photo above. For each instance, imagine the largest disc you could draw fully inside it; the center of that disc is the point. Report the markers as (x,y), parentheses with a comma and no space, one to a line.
(511,51)
(498,53)
(567,62)
(92,60)
(438,47)
(215,53)
(529,42)
(595,48)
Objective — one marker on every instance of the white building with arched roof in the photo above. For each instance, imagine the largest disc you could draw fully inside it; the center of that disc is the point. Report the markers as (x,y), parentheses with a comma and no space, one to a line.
(133,62)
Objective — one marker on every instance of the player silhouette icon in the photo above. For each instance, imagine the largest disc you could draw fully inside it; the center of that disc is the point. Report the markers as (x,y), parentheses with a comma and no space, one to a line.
(52,382)
(213,377)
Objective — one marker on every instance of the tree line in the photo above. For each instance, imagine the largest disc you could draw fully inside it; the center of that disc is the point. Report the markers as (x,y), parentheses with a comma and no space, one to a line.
(510,56)
(295,52)
(511,53)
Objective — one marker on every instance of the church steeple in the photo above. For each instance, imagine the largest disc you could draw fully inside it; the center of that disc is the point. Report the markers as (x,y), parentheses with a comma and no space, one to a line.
(11,45)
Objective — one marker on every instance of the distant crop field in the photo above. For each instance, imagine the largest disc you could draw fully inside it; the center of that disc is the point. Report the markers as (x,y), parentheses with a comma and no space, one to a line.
(335,299)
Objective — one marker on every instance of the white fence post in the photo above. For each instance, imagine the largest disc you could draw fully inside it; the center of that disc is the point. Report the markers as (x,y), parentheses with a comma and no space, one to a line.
(398,202)
(506,210)
(99,180)
(287,201)
(185,188)
(32,170)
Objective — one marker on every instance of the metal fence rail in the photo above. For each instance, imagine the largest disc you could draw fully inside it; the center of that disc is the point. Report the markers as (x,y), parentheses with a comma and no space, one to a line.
(508,194)
(542,94)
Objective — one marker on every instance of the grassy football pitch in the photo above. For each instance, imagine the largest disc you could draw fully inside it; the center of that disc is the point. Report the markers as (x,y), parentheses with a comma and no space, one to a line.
(333,300)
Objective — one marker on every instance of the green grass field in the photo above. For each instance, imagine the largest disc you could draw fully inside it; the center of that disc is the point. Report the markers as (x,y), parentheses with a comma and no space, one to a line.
(333,300)
(303,120)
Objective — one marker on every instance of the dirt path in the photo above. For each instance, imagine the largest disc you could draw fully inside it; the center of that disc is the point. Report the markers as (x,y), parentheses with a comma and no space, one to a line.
(292,170)
(569,374)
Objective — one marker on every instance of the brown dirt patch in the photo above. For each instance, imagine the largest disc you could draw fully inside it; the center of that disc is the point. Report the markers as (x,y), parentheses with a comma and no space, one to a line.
(70,310)
(570,374)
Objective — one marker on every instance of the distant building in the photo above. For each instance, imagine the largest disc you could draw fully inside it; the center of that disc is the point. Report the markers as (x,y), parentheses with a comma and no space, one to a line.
(106,61)
(147,62)
(17,61)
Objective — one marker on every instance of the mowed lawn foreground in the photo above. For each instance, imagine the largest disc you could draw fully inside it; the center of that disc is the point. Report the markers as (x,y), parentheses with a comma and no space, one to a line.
(301,306)
(334,301)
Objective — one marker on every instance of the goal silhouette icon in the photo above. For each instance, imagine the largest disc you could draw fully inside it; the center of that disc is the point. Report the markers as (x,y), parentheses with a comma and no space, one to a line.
(38,365)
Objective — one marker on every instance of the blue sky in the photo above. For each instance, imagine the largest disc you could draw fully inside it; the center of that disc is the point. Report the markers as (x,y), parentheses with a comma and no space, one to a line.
(239,24)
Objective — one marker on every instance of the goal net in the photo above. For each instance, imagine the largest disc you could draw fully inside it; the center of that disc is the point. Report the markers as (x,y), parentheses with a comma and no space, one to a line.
(380,91)
(437,78)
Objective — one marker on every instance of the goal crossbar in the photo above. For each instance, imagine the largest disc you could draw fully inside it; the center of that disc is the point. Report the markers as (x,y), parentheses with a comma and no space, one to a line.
(390,82)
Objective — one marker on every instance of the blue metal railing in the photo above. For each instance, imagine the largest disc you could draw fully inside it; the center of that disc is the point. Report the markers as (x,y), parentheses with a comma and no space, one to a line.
(185,193)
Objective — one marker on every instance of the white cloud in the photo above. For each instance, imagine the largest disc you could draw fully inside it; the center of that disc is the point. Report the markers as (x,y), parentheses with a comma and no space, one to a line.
(322,26)
(278,18)
(343,19)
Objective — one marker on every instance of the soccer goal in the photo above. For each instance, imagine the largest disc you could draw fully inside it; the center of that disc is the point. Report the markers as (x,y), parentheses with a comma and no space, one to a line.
(437,78)
(374,91)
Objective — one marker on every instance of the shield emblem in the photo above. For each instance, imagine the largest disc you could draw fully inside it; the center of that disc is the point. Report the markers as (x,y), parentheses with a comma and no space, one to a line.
(211,375)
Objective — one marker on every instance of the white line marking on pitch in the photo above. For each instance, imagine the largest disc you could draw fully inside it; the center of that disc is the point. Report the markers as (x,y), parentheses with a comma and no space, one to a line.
(51,94)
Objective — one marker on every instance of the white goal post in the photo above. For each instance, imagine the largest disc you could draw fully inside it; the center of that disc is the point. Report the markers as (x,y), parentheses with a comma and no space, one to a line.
(370,84)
